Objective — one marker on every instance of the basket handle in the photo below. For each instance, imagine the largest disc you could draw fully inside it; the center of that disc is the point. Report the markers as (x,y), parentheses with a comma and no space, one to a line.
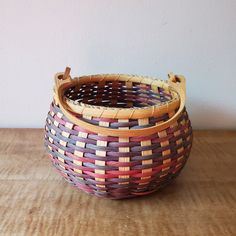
(177,82)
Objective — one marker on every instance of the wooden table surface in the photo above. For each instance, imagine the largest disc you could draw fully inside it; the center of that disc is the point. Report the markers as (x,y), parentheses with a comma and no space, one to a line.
(35,200)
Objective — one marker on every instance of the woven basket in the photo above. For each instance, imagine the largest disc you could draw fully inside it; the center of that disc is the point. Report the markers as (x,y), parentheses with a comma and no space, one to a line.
(118,136)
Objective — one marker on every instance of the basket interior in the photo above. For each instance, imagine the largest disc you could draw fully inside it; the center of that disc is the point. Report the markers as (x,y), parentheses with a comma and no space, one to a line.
(118,94)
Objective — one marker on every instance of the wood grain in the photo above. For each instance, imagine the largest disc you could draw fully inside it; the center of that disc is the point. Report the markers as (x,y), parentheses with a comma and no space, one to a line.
(35,200)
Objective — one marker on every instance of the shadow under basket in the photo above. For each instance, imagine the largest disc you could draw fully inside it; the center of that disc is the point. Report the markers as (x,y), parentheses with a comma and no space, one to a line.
(118,136)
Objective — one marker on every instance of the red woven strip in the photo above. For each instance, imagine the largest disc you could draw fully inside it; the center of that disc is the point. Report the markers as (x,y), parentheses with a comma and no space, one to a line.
(83,159)
(102,176)
(118,172)
(123,164)
(58,119)
(71,166)
(84,187)
(104,138)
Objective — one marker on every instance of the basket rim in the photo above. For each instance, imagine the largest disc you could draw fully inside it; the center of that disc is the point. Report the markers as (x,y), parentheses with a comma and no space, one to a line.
(176,82)
(113,112)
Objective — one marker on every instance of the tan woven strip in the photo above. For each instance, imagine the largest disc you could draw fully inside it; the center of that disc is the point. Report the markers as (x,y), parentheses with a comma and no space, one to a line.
(79,153)
(147,152)
(163,134)
(77,88)
(101,84)
(124,149)
(63,143)
(179,141)
(51,130)
(103,154)
(114,95)
(155,89)
(183,122)
(129,84)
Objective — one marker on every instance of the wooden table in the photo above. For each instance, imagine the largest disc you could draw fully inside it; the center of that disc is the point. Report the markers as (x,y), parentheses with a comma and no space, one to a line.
(35,200)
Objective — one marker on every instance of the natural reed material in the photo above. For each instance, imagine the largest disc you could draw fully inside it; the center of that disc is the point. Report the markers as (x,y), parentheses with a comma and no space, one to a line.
(118,136)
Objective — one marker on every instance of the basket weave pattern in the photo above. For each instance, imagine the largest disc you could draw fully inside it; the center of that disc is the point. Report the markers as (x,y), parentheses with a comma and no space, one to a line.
(111,166)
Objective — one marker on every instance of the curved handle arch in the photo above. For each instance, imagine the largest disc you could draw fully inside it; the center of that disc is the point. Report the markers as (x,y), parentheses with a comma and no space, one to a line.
(176,82)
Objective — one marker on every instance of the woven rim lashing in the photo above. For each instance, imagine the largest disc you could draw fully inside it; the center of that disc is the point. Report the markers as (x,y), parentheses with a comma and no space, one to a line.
(175,84)
(118,95)
(109,96)
(113,167)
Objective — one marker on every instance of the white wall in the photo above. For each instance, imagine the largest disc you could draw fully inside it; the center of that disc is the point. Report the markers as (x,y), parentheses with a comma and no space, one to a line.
(196,38)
